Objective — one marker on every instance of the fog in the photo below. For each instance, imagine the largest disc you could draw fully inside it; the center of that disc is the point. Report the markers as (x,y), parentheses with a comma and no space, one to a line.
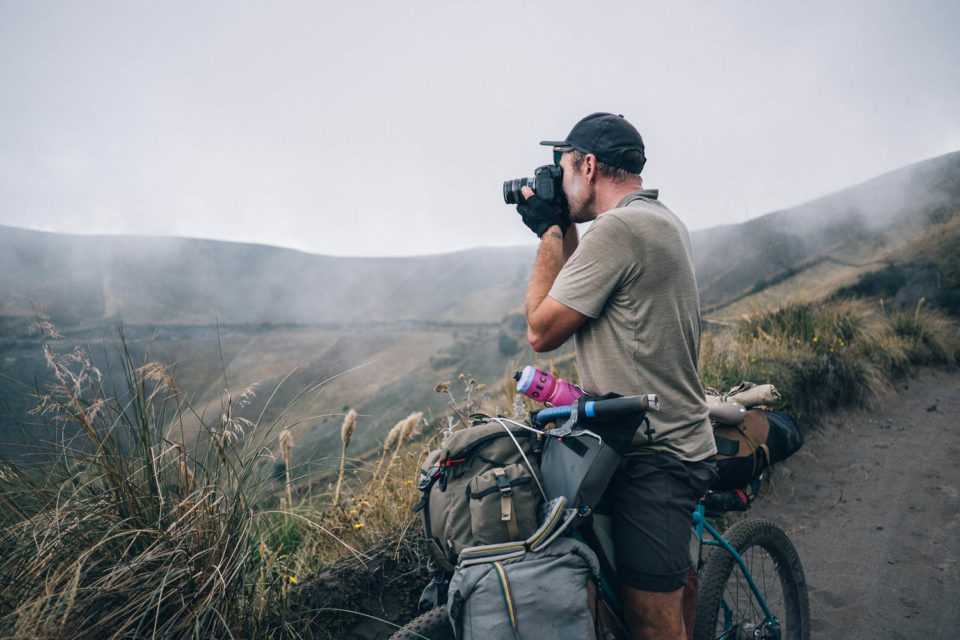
(381,128)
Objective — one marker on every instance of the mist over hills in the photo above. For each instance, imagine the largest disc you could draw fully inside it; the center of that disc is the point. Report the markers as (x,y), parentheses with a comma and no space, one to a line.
(142,280)
(380,332)
(849,227)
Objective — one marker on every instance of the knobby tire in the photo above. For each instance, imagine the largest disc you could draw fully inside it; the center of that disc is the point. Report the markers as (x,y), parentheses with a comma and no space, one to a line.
(726,606)
(432,625)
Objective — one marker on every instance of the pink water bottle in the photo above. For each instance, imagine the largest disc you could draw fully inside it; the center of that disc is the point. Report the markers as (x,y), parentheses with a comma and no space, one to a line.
(543,387)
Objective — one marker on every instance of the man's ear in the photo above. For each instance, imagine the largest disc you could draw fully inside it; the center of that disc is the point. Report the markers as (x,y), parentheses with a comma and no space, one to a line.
(590,167)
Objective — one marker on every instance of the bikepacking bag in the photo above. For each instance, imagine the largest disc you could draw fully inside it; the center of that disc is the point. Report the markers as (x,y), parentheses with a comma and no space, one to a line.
(533,595)
(745,450)
(581,455)
(477,489)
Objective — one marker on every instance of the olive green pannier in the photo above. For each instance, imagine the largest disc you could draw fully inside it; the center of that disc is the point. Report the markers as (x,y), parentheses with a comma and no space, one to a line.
(481,487)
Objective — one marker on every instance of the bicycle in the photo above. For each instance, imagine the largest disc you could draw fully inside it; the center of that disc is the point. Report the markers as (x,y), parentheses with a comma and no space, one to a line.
(751,581)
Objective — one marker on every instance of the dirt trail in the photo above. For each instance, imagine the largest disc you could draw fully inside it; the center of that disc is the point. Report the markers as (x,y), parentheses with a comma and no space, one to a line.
(872,503)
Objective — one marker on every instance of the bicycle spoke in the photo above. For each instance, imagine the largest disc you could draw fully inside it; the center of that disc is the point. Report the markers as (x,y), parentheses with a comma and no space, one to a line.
(742,613)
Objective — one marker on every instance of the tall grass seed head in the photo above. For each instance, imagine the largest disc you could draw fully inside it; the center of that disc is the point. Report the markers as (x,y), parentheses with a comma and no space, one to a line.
(286,445)
(393,435)
(408,425)
(349,425)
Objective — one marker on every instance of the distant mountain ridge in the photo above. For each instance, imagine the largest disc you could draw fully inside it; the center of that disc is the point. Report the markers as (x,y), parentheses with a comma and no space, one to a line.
(383,331)
(148,280)
(855,222)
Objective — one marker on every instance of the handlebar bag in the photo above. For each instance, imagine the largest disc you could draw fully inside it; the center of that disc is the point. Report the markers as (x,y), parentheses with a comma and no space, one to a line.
(579,466)
(539,595)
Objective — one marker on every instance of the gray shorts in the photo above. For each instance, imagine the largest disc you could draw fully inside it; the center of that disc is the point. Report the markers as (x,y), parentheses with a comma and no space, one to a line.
(651,499)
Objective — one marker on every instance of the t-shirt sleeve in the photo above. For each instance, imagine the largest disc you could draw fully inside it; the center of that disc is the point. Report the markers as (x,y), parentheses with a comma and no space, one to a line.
(605,259)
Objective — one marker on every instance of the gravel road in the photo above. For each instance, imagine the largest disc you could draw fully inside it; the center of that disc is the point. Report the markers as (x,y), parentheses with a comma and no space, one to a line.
(872,503)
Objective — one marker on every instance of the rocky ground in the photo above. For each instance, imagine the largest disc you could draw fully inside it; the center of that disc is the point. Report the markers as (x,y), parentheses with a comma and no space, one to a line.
(872,503)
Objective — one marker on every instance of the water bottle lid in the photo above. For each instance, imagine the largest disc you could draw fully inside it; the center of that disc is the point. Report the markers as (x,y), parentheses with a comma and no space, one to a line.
(525,379)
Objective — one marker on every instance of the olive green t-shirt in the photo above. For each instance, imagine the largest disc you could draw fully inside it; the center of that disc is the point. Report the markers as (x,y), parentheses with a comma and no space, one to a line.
(632,275)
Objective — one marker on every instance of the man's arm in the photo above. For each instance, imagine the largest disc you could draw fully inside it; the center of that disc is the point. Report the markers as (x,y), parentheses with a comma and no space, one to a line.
(550,323)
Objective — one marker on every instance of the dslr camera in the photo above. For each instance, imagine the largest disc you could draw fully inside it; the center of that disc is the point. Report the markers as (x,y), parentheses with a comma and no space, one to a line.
(547,182)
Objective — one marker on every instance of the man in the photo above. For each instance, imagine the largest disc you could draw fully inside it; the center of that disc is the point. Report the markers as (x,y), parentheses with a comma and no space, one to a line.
(627,291)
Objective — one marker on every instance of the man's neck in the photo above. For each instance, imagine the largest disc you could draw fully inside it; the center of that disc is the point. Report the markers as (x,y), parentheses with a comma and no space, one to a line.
(610,194)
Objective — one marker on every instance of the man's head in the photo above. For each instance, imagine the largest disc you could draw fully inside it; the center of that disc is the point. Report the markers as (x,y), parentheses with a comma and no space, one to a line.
(603,153)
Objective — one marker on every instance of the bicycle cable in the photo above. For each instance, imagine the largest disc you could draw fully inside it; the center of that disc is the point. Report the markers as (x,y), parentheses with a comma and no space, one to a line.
(526,461)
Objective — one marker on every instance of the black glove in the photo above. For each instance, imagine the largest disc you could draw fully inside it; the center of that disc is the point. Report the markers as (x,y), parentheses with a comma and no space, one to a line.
(540,216)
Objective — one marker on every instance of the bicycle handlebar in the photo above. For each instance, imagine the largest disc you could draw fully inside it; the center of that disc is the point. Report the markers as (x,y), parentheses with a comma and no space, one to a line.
(602,408)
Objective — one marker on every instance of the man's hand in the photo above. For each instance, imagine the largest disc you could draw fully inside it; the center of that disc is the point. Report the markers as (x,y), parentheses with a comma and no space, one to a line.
(538,215)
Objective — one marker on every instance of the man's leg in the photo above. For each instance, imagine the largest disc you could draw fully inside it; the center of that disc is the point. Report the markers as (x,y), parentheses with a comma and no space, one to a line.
(654,615)
(652,499)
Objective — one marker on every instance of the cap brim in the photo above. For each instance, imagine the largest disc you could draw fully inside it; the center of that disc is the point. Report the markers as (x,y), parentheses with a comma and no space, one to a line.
(555,143)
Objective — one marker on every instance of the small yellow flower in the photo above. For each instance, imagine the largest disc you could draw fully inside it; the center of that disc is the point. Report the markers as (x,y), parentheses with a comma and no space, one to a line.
(353,510)
(753,359)
(409,481)
(815,338)
(358,525)
(831,349)
(798,340)
(290,579)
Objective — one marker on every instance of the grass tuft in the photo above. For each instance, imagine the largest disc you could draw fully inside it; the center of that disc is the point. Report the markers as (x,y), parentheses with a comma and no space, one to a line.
(143,519)
(824,356)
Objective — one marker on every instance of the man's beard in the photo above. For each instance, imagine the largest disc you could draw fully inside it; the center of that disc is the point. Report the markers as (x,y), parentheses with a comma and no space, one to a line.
(580,206)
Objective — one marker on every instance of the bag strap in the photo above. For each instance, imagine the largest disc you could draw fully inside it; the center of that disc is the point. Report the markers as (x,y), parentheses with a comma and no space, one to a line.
(763,450)
(754,449)
(507,597)
(506,503)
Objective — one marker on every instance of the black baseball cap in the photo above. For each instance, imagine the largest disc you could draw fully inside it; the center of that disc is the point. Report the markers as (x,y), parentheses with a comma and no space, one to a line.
(607,136)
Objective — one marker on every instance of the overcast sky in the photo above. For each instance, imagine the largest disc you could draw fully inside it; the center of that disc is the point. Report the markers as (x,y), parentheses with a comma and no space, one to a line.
(387,128)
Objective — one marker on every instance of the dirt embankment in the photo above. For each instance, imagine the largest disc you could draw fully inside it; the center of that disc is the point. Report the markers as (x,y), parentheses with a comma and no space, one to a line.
(872,503)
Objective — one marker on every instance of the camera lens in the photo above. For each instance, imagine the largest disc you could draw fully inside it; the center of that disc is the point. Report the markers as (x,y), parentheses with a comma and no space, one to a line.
(511,189)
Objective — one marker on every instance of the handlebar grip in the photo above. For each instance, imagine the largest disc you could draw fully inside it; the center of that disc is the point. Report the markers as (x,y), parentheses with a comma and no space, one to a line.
(621,406)
(603,408)
(552,414)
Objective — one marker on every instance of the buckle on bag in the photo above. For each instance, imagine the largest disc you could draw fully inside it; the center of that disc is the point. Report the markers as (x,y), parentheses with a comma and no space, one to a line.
(503,483)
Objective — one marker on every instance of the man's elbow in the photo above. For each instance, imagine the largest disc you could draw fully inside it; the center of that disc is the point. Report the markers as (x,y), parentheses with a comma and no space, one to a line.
(540,342)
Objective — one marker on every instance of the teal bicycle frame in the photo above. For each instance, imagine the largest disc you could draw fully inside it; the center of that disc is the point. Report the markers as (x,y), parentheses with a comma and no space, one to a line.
(699,524)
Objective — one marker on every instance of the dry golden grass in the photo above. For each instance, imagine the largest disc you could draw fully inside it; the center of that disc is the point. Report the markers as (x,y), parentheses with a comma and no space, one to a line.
(825,355)
(124,528)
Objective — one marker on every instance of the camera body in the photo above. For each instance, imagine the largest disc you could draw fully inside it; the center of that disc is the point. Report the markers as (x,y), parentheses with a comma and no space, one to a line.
(547,182)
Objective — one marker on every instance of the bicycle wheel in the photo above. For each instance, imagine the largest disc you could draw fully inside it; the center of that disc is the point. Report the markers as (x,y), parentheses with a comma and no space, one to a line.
(432,625)
(727,608)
